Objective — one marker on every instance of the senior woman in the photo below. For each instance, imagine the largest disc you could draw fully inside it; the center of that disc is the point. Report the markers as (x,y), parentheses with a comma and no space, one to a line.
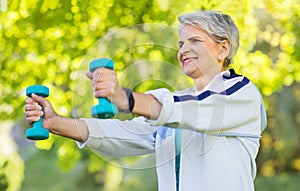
(204,138)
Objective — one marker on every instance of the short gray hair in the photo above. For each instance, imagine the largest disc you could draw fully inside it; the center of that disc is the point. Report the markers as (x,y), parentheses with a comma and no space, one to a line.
(218,25)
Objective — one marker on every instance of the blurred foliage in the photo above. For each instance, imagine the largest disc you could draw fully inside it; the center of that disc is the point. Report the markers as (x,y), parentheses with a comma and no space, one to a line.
(91,175)
(280,182)
(11,164)
(51,42)
(280,143)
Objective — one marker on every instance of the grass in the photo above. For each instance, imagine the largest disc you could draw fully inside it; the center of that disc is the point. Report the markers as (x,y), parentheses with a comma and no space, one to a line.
(278,182)
(42,173)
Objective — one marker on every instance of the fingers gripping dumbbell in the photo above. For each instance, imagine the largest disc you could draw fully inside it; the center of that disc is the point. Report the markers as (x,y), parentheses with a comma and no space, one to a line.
(37,132)
(105,109)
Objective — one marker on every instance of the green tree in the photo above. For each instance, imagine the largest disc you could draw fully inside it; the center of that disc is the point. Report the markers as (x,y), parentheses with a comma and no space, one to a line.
(51,42)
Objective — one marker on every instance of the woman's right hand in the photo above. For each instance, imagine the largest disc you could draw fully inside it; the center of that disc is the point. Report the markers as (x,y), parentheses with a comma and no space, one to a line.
(33,111)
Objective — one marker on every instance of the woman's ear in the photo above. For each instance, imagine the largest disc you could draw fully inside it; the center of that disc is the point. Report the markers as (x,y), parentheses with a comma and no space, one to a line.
(224,48)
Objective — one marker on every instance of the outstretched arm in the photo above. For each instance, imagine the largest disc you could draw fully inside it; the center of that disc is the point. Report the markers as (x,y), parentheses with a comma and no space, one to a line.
(146,105)
(105,84)
(109,137)
(67,127)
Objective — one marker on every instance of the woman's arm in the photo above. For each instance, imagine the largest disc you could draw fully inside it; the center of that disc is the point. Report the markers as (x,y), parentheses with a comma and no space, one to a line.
(105,84)
(235,108)
(110,137)
(67,127)
(230,103)
(115,138)
(146,105)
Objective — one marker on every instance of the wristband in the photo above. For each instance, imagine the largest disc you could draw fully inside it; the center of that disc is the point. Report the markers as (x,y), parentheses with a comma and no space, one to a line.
(130,99)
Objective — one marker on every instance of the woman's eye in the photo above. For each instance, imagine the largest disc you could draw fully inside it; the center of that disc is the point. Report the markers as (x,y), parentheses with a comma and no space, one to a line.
(196,40)
(180,45)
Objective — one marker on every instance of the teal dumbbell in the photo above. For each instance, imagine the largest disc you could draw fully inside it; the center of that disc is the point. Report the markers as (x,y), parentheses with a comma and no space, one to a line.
(105,109)
(37,132)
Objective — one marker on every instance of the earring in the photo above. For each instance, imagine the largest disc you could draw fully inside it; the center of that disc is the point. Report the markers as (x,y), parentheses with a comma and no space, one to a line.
(220,58)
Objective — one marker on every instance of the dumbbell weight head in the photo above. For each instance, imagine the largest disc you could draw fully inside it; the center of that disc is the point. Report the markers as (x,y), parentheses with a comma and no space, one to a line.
(101,63)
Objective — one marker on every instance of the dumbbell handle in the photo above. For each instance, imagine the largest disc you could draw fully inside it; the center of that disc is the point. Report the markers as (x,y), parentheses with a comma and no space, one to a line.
(38,124)
(105,109)
(103,100)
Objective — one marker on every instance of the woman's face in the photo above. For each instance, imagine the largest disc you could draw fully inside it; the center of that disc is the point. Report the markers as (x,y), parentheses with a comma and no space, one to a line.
(198,53)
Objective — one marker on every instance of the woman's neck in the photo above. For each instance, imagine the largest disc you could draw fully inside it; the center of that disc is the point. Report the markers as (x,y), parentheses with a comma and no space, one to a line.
(202,81)
(200,84)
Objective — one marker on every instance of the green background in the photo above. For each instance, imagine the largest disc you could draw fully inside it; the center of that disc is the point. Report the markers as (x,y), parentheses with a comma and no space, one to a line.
(50,43)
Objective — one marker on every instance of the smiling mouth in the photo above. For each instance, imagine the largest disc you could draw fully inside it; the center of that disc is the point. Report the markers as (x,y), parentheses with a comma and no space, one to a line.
(188,60)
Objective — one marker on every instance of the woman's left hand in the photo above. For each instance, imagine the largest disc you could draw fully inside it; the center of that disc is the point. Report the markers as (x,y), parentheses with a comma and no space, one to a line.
(105,83)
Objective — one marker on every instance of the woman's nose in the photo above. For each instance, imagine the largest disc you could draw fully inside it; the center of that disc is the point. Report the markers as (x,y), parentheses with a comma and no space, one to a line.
(184,48)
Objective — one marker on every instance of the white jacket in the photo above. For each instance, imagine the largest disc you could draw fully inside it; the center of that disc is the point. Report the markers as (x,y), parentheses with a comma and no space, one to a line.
(221,127)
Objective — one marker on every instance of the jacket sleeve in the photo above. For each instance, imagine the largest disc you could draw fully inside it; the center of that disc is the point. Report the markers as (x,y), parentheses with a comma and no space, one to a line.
(234,110)
(115,138)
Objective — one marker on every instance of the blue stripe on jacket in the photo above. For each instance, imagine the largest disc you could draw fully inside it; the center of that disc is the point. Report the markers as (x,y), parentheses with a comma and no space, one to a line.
(208,93)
